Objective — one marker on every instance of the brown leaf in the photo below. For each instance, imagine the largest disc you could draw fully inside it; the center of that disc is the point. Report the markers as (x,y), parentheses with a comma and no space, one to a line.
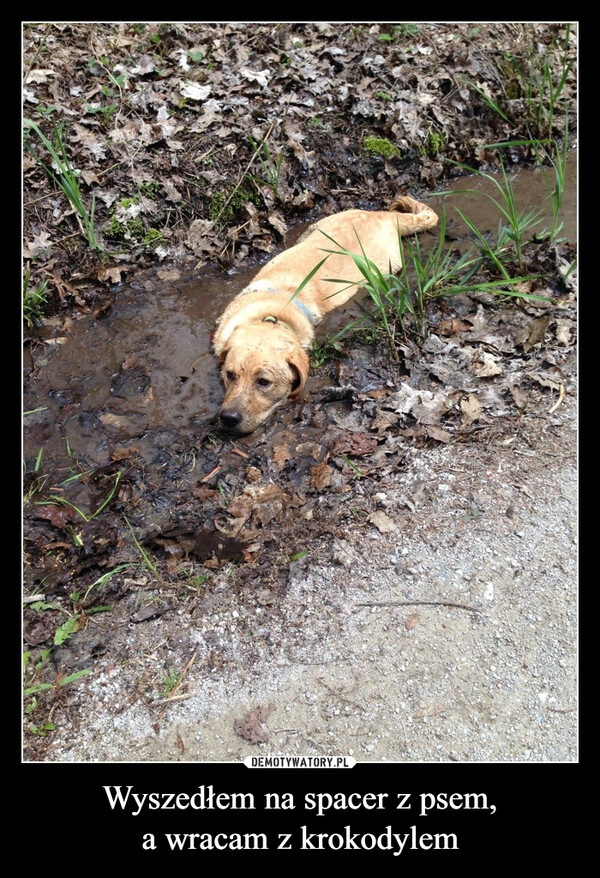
(451,327)
(382,522)
(355,445)
(253,726)
(533,333)
(320,476)
(438,434)
(519,397)
(383,421)
(281,454)
(411,621)
(471,409)
(59,516)
(112,274)
(202,492)
(124,452)
(267,502)
(486,365)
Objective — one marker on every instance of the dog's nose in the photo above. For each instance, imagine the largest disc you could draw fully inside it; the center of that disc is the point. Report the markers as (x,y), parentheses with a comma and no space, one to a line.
(230,418)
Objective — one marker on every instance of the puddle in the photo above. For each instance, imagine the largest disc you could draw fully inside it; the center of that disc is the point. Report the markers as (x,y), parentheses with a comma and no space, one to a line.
(145,369)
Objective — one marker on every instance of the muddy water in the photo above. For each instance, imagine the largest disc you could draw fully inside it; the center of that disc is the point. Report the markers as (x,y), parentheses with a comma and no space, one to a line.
(531,188)
(146,370)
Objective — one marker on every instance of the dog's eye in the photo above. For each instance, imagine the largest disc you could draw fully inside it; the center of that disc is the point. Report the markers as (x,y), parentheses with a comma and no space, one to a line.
(264,382)
(230,375)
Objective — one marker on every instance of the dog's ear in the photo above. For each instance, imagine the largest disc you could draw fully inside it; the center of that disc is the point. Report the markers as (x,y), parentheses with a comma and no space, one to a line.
(300,366)
(222,357)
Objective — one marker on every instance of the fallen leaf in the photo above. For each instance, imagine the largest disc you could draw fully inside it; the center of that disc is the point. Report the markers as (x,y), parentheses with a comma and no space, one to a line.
(195,92)
(59,516)
(438,433)
(355,445)
(545,382)
(124,452)
(563,331)
(112,273)
(471,409)
(382,522)
(281,454)
(533,333)
(486,366)
(518,396)
(278,222)
(38,244)
(40,75)
(384,421)
(253,726)
(320,476)
(411,621)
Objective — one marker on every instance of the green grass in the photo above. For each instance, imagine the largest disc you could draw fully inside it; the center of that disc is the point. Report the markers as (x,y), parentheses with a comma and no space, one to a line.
(527,77)
(34,299)
(64,175)
(270,167)
(145,556)
(170,681)
(402,298)
(62,502)
(516,224)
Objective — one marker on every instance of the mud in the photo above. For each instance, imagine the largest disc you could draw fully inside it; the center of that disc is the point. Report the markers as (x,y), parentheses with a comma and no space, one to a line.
(146,364)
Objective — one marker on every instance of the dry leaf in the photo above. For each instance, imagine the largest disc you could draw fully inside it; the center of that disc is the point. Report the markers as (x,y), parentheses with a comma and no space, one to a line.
(281,454)
(438,433)
(320,476)
(471,410)
(532,334)
(382,522)
(486,367)
(253,726)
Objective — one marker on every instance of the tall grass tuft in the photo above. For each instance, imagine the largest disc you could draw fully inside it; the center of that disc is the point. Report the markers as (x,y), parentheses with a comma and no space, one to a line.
(64,175)
(515,226)
(402,297)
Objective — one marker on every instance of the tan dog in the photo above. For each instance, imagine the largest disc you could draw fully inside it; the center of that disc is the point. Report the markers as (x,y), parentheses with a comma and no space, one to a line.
(262,336)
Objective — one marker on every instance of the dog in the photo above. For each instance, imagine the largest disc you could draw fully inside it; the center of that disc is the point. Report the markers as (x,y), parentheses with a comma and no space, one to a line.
(262,337)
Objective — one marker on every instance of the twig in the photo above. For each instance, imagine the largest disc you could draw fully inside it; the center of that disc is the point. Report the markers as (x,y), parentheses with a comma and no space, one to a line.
(243,176)
(420,604)
(212,473)
(561,396)
(172,696)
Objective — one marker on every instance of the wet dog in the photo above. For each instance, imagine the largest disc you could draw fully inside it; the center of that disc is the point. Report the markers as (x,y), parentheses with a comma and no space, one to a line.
(262,337)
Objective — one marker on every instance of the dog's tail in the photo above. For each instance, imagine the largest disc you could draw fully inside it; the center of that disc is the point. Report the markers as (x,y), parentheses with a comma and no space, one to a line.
(421,217)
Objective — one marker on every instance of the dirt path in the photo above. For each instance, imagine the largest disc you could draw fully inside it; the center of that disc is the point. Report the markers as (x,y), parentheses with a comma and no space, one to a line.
(451,637)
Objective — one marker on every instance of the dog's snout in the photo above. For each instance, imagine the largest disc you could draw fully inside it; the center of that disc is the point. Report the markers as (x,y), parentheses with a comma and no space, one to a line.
(230,418)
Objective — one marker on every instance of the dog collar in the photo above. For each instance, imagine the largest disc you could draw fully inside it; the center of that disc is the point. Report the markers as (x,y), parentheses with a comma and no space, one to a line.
(304,308)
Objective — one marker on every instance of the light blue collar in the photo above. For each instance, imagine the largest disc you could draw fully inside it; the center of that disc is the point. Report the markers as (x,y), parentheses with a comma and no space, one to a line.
(305,309)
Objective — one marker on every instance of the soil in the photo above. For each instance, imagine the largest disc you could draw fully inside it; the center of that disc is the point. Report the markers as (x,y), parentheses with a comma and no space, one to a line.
(388,570)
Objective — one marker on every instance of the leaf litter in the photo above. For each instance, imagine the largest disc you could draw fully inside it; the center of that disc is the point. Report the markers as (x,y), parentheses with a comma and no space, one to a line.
(389,483)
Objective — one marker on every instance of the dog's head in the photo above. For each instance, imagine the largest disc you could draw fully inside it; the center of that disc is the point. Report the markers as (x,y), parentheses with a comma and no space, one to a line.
(262,366)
